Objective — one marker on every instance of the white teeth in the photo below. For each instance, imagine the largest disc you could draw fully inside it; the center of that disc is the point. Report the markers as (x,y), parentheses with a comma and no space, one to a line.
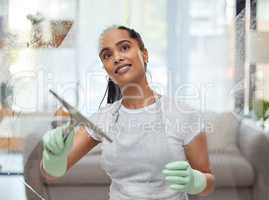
(122,69)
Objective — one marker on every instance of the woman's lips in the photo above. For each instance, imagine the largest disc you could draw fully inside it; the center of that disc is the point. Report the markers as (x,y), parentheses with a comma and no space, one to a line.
(123,69)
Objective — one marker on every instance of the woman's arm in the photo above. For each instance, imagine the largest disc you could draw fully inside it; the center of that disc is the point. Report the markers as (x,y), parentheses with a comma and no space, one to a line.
(197,155)
(83,143)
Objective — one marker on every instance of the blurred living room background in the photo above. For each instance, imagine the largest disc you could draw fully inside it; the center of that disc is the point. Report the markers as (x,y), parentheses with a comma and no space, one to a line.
(212,53)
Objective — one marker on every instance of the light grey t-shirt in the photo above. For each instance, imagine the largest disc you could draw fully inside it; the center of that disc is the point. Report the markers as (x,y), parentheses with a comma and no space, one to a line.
(144,141)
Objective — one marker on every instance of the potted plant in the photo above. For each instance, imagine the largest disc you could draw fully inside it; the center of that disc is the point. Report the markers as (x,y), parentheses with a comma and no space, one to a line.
(261,111)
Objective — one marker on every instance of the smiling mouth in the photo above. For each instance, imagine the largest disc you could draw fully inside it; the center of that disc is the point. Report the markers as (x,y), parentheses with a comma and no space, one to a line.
(122,69)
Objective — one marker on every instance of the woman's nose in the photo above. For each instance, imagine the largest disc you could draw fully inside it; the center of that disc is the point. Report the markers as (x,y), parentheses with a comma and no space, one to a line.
(117,58)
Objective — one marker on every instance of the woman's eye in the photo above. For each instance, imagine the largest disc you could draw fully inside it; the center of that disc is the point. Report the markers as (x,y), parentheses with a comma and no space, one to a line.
(106,56)
(125,47)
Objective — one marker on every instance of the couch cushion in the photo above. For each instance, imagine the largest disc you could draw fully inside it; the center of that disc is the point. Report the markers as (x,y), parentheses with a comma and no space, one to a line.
(87,171)
(227,193)
(231,169)
(222,129)
(94,192)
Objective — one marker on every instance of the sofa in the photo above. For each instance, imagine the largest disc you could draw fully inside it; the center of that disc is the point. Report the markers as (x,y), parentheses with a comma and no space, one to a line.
(237,151)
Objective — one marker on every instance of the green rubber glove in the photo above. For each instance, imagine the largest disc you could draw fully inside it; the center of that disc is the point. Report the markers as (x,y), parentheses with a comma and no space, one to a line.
(55,151)
(183,178)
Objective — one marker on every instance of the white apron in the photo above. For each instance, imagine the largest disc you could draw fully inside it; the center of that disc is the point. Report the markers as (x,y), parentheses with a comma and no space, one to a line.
(136,157)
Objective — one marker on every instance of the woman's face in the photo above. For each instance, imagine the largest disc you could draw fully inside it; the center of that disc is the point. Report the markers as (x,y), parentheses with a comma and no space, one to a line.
(122,58)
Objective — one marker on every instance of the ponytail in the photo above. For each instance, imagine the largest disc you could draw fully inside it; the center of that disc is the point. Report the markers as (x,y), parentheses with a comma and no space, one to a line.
(114,92)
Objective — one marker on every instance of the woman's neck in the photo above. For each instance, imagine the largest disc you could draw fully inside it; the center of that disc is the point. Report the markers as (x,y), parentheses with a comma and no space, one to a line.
(138,97)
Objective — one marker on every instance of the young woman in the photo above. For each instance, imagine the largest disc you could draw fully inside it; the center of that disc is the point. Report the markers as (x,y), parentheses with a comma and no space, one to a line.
(157,151)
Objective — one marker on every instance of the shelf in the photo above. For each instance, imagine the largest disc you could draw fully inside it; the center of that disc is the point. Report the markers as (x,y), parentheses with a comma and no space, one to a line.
(11,144)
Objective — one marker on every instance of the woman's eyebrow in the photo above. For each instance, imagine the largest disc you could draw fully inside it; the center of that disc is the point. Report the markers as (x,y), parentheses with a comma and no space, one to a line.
(117,44)
(104,49)
(122,41)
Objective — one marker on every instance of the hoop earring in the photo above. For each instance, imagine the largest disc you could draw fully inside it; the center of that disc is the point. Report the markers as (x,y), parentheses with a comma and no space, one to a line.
(146,66)
(107,77)
(150,76)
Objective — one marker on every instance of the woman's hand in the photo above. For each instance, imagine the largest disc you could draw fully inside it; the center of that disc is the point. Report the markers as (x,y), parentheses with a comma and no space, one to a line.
(56,150)
(183,178)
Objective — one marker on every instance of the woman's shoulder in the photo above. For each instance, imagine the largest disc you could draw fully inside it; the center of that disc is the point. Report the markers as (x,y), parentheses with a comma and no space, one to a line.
(105,111)
(172,104)
(177,106)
